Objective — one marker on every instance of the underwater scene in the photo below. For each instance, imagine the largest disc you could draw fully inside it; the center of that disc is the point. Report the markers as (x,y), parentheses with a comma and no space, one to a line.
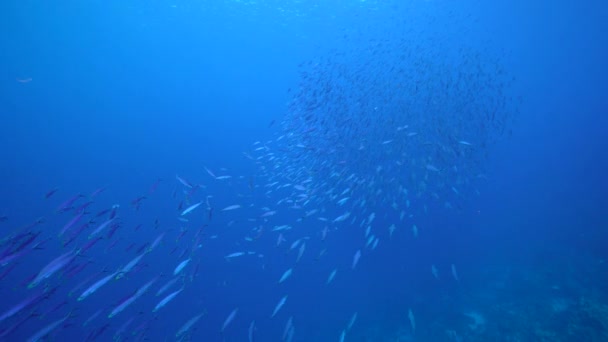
(304,170)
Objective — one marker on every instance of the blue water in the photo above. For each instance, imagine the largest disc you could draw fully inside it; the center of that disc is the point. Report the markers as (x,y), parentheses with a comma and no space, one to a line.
(124,96)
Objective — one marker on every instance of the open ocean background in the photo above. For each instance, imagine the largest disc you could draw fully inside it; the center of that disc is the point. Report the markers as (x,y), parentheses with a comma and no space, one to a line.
(470,137)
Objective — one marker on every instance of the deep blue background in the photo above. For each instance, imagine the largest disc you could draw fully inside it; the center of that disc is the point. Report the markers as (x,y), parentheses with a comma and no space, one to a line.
(123,93)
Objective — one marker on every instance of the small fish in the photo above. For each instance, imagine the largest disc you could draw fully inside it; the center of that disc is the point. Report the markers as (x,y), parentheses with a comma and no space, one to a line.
(351,322)
(101,227)
(285,275)
(188,325)
(91,318)
(331,277)
(156,242)
(181,266)
(234,255)
(435,272)
(65,206)
(190,208)
(454,273)
(166,286)
(210,172)
(301,251)
(432,168)
(375,244)
(166,300)
(71,223)
(232,207)
(53,267)
(21,306)
(268,213)
(128,267)
(230,318)
(343,201)
(371,218)
(370,240)
(282,227)
(410,315)
(96,286)
(97,191)
(391,230)
(342,217)
(51,193)
(279,306)
(251,330)
(184,182)
(356,258)
(47,330)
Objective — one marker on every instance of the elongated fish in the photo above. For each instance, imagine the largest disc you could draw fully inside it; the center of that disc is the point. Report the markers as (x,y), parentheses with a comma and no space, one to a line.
(191,208)
(210,172)
(167,300)
(251,330)
(234,255)
(129,300)
(19,307)
(285,275)
(52,268)
(155,243)
(229,319)
(167,286)
(181,266)
(342,217)
(101,228)
(128,267)
(288,327)
(410,316)
(188,325)
(96,286)
(301,251)
(356,258)
(232,207)
(47,330)
(432,168)
(279,306)
(331,277)
(454,273)
(435,272)
(184,182)
(343,201)
(71,223)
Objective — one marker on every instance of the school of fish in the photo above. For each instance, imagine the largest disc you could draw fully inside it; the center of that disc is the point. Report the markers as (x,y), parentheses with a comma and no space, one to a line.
(384,137)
